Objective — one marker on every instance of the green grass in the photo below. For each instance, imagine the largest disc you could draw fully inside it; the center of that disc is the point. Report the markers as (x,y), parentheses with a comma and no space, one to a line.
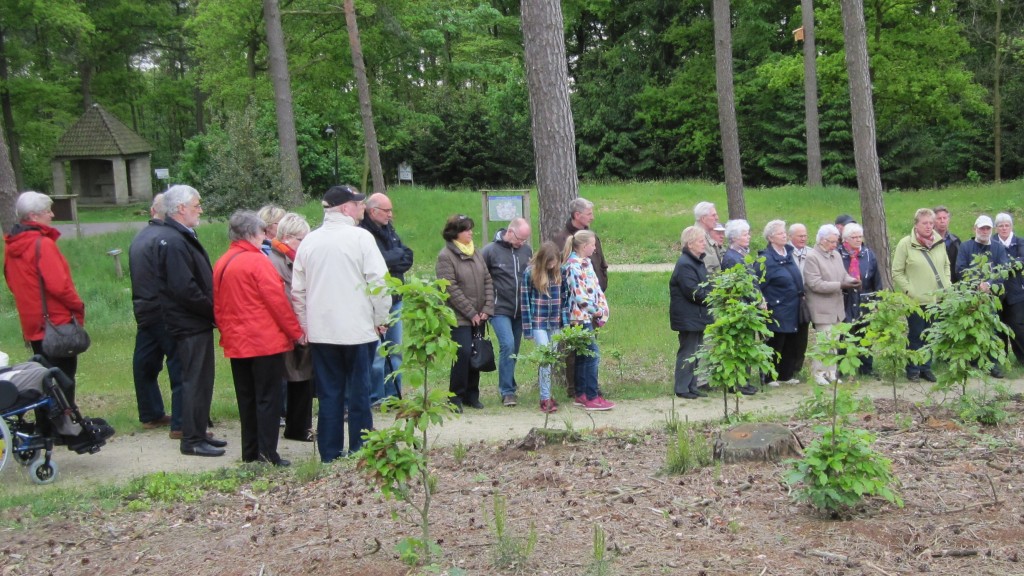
(638,223)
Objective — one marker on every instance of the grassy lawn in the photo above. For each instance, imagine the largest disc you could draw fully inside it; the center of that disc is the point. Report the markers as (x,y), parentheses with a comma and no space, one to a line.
(638,223)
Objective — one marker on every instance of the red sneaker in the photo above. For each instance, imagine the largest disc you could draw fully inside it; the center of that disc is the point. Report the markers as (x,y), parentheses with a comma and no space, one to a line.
(608,405)
(580,400)
(552,405)
(596,405)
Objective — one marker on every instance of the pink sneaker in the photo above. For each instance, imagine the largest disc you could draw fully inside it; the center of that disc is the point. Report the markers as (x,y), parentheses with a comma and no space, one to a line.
(608,405)
(580,400)
(595,405)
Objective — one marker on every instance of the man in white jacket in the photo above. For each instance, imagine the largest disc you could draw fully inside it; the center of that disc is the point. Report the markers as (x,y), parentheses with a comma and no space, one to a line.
(335,268)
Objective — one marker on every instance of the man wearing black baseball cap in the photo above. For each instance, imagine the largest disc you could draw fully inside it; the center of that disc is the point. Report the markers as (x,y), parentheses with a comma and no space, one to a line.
(335,267)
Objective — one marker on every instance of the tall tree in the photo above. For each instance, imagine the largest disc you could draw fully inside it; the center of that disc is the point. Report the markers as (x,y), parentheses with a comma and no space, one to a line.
(8,188)
(862,110)
(287,138)
(727,110)
(554,137)
(811,96)
(365,106)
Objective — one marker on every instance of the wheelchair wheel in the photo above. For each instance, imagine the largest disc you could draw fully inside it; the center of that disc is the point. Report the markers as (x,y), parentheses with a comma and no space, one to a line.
(25,457)
(6,444)
(41,472)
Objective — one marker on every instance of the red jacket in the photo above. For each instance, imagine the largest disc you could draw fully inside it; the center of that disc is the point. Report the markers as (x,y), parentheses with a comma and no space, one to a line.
(250,306)
(23,279)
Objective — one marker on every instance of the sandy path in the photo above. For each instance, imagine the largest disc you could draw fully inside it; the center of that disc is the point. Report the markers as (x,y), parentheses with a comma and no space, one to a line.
(129,455)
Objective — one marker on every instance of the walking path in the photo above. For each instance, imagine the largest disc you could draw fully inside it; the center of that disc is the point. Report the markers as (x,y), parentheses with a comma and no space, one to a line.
(133,453)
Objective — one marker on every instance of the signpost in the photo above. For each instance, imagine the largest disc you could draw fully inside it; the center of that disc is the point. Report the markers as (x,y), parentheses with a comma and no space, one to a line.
(503,206)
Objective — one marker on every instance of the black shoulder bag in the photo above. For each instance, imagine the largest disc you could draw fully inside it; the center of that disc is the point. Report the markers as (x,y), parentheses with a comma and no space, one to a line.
(64,341)
(482,353)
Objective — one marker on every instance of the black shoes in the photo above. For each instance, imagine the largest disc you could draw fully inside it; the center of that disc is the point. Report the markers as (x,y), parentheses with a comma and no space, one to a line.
(997,372)
(748,390)
(216,442)
(456,405)
(687,395)
(476,404)
(699,393)
(201,449)
(913,377)
(928,375)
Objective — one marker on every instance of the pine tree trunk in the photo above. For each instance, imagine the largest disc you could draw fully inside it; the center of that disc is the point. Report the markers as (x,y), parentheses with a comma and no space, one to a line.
(811,96)
(287,138)
(869,180)
(8,188)
(8,116)
(727,110)
(554,136)
(365,106)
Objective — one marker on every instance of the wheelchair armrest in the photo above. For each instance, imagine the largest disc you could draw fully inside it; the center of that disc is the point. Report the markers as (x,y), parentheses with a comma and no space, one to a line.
(8,394)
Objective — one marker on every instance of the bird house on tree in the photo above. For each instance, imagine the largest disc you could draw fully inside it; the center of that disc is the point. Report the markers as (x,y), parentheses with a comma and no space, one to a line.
(798,34)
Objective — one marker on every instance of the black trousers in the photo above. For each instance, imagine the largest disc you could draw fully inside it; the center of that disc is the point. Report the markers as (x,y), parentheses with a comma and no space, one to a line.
(258,391)
(686,364)
(1013,316)
(298,412)
(464,380)
(791,348)
(197,364)
(69,366)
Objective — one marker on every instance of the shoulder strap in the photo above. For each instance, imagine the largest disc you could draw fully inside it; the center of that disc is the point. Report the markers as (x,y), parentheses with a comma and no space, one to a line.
(222,270)
(928,258)
(42,283)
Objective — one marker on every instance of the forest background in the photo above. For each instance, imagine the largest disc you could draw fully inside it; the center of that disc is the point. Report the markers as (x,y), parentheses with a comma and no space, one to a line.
(450,97)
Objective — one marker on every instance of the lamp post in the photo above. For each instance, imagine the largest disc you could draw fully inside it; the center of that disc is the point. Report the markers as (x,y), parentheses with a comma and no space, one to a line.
(333,135)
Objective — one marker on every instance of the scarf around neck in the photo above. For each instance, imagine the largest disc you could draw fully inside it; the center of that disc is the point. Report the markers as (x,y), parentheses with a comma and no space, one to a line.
(466,249)
(283,248)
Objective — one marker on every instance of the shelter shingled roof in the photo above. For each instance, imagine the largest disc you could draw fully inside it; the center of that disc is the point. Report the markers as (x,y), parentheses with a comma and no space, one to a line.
(100,133)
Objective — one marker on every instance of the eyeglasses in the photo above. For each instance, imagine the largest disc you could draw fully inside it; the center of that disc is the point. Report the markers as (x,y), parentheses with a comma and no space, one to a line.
(385,210)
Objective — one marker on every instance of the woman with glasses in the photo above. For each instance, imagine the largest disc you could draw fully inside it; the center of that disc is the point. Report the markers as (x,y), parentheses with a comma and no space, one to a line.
(824,282)
(860,262)
(471,296)
(298,413)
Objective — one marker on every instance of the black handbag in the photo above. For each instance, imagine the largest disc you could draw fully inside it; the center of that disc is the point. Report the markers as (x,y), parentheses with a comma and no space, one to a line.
(481,356)
(64,341)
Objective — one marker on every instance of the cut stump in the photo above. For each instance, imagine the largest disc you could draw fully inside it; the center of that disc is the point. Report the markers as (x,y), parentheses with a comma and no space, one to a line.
(537,438)
(757,442)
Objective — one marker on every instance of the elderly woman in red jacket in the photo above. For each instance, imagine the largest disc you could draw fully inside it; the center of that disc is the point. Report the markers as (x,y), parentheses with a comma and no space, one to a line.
(257,327)
(31,253)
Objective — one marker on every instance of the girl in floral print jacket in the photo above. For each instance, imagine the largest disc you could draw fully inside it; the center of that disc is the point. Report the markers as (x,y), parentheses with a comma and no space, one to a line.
(587,307)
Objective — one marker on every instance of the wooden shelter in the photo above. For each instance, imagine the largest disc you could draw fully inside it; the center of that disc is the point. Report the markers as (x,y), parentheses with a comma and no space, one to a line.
(110,163)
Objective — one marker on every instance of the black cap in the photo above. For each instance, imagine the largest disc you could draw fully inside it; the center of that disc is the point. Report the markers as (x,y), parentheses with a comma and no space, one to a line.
(844,219)
(338,195)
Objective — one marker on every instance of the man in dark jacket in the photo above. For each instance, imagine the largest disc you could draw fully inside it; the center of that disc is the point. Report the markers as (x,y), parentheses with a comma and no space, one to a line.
(379,221)
(997,256)
(185,277)
(950,239)
(152,341)
(506,258)
(581,215)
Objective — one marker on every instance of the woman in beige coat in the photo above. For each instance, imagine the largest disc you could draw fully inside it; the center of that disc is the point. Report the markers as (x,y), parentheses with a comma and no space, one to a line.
(825,278)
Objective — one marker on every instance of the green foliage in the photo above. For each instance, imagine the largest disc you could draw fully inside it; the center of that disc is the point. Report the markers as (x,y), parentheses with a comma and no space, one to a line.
(395,458)
(688,451)
(459,452)
(734,345)
(886,338)
(982,408)
(510,552)
(600,564)
(966,332)
(839,469)
(823,406)
(161,487)
(237,167)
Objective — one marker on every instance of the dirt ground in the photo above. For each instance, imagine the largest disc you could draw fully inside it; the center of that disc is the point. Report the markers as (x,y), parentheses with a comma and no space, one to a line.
(963,491)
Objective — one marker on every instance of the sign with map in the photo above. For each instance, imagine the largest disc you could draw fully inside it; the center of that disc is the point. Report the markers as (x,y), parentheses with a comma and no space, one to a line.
(504,208)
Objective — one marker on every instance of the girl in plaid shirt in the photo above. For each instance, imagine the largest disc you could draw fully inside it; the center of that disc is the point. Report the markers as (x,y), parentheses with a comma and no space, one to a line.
(541,304)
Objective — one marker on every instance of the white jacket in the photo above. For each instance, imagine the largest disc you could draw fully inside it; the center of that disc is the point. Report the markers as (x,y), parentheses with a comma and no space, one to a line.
(334,269)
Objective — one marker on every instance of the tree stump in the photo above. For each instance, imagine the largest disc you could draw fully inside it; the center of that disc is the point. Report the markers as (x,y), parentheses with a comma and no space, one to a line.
(537,438)
(757,442)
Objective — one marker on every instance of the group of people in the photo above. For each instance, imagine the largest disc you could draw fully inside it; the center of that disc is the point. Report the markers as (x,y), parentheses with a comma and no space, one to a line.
(519,292)
(829,283)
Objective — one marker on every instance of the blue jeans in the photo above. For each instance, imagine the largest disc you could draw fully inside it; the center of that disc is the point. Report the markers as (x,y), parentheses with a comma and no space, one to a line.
(381,386)
(340,369)
(543,338)
(509,331)
(152,344)
(586,369)
(916,325)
